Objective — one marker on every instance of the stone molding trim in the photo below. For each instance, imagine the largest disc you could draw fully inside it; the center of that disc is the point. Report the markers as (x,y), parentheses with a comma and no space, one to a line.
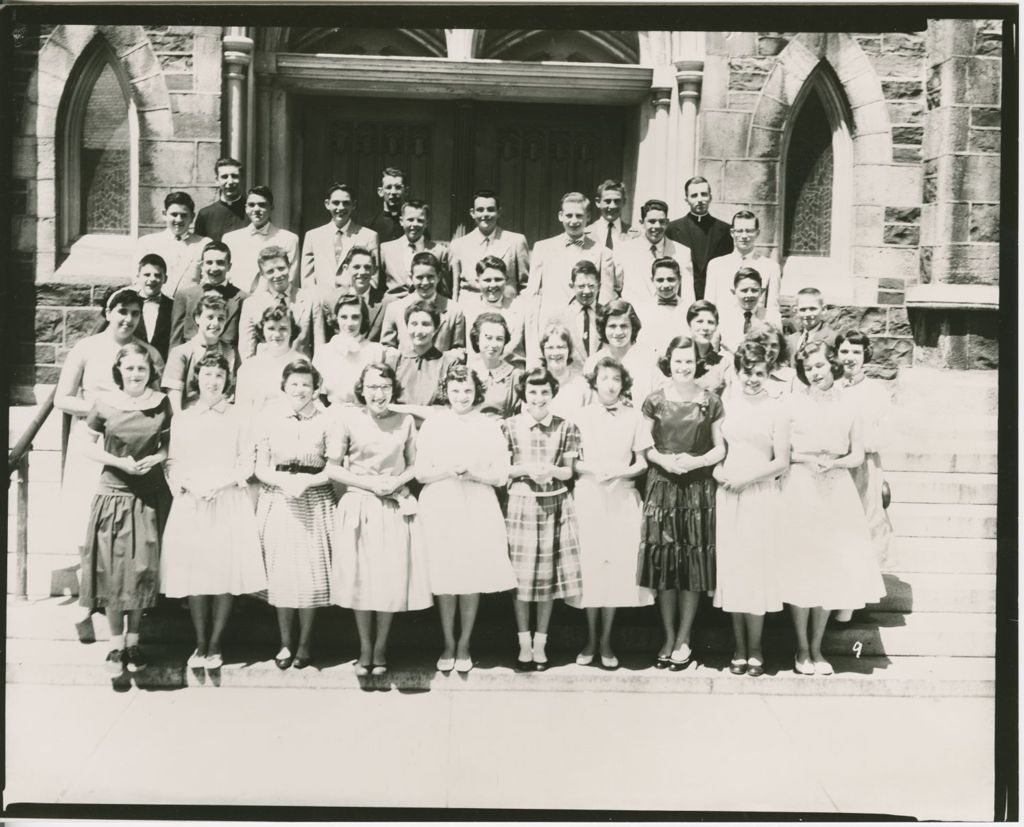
(443,78)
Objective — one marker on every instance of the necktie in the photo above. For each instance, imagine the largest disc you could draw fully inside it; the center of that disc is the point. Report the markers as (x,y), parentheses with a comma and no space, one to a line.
(746,321)
(609,241)
(339,247)
(654,251)
(586,330)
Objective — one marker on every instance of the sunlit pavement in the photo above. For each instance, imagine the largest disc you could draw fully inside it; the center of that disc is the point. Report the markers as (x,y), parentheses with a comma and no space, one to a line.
(925,757)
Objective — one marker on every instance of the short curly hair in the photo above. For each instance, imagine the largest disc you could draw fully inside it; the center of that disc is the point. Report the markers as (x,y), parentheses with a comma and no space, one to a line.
(749,354)
(811,348)
(766,332)
(856,337)
(303,367)
(352,300)
(609,362)
(423,307)
(217,360)
(618,307)
(459,372)
(278,312)
(487,318)
(701,306)
(387,372)
(677,343)
(562,332)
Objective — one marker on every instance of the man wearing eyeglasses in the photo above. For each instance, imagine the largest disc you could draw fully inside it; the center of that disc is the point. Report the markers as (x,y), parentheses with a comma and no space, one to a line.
(722,270)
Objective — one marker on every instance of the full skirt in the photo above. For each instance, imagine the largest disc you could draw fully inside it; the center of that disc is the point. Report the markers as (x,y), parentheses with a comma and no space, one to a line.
(379,562)
(544,546)
(868,479)
(121,553)
(464,537)
(212,546)
(609,523)
(677,533)
(747,531)
(296,536)
(826,557)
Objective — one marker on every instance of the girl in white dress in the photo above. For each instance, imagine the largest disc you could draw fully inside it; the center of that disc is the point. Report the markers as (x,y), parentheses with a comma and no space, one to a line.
(211,546)
(827,561)
(619,326)
(614,438)
(461,455)
(875,408)
(747,506)
(343,358)
(379,566)
(259,377)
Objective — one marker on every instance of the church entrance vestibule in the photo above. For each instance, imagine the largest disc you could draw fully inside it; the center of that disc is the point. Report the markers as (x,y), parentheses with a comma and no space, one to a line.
(529,153)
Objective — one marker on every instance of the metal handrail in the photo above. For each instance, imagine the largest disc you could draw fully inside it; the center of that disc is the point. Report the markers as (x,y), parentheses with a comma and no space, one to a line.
(17,461)
(24,444)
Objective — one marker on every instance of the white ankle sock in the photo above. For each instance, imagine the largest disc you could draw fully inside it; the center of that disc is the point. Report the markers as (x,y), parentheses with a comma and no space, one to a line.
(540,640)
(524,646)
(132,639)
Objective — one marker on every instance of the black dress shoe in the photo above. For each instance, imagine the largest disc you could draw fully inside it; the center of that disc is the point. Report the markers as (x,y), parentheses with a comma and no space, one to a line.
(284,663)
(301,662)
(662,662)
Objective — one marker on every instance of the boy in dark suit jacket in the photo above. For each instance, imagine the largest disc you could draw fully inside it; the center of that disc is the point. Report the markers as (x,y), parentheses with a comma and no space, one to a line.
(214,269)
(706,236)
(155,324)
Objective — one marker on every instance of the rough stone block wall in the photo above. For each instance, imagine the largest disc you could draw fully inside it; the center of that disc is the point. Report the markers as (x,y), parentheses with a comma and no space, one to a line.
(926,126)
(962,142)
(174,73)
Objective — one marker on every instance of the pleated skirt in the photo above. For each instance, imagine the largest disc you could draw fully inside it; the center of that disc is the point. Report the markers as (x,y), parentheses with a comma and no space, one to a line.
(677,532)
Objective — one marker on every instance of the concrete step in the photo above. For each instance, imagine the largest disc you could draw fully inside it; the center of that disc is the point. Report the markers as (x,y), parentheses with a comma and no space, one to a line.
(950,457)
(909,422)
(954,555)
(938,592)
(937,487)
(968,392)
(870,633)
(70,663)
(943,520)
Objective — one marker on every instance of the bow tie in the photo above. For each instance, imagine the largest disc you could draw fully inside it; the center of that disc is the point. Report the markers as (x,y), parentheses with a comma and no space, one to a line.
(577,242)
(668,302)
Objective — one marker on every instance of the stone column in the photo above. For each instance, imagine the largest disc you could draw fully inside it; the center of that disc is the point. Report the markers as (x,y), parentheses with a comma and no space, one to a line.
(689,74)
(652,166)
(953,308)
(237,57)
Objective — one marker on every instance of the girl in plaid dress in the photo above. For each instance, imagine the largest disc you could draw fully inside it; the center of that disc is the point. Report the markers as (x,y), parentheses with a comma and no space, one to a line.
(543,538)
(295,511)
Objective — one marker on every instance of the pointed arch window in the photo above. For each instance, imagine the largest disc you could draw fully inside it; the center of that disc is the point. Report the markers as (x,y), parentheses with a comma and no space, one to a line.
(98,166)
(817,185)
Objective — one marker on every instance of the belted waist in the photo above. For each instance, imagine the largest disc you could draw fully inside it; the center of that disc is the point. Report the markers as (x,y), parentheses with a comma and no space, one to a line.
(298,468)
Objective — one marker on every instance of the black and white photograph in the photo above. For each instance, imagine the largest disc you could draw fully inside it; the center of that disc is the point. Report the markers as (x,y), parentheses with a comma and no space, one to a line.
(489,422)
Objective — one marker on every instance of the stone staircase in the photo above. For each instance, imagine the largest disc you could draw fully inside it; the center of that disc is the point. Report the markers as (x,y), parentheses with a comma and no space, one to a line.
(932,634)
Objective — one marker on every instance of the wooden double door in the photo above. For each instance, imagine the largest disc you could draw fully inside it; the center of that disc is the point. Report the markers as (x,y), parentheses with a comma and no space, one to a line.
(530,154)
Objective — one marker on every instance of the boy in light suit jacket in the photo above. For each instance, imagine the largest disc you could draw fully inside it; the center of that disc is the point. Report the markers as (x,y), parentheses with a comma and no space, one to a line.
(396,256)
(488,239)
(324,248)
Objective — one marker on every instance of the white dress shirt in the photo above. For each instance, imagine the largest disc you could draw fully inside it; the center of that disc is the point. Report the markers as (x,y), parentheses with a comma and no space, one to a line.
(722,271)
(245,245)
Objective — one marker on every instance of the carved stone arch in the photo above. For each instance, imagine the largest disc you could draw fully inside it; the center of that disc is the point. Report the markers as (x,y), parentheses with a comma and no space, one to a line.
(574,45)
(60,55)
(851,70)
(343,40)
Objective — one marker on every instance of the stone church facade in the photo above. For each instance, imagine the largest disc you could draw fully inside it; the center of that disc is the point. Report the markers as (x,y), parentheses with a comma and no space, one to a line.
(871,159)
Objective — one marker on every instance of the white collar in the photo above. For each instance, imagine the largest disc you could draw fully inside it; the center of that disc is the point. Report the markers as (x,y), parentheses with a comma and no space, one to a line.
(219,407)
